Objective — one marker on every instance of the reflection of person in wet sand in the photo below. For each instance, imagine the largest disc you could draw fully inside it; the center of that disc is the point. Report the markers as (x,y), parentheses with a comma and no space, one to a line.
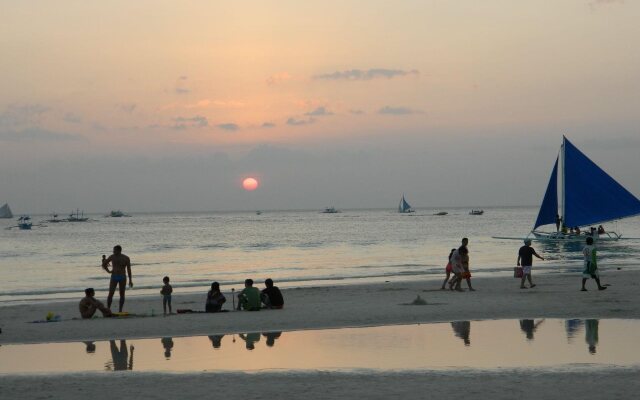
(591,334)
(122,360)
(572,326)
(271,337)
(462,329)
(216,341)
(91,347)
(167,343)
(529,326)
(250,339)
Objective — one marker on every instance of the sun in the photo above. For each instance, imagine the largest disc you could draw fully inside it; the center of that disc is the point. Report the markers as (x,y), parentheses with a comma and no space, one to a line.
(250,184)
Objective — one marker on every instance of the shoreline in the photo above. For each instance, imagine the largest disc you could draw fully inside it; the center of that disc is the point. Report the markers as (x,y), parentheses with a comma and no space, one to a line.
(339,306)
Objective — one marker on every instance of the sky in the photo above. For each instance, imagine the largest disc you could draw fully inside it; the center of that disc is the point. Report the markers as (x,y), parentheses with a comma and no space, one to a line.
(159,105)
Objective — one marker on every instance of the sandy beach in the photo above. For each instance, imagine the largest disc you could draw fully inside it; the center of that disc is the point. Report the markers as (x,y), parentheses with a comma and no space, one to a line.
(339,306)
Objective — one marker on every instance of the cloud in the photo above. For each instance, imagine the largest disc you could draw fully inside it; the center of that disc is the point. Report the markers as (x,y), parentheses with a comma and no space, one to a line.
(228,127)
(15,116)
(299,122)
(356,112)
(128,108)
(180,90)
(72,118)
(388,110)
(268,125)
(278,78)
(36,135)
(366,75)
(180,87)
(182,123)
(319,112)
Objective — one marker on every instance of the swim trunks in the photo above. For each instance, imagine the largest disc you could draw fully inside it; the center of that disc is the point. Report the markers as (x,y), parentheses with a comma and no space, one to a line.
(118,278)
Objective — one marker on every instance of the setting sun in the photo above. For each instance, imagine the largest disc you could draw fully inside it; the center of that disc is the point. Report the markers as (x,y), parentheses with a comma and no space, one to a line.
(250,184)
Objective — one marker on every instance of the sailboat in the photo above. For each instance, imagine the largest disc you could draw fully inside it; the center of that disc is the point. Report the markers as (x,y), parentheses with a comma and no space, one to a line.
(404,207)
(77,217)
(589,196)
(5,211)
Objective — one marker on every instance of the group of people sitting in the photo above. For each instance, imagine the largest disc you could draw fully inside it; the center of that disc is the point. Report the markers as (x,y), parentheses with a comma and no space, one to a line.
(250,299)
(593,231)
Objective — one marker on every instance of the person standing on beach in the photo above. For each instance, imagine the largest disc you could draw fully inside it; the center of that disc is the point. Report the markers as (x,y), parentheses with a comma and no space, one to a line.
(590,265)
(120,264)
(466,273)
(166,295)
(525,257)
(448,269)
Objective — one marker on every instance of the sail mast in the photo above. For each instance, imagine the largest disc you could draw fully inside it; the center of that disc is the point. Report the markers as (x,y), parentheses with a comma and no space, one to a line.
(563,183)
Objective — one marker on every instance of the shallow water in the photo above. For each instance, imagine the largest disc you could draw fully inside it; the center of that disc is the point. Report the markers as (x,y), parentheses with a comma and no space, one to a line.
(526,343)
(295,248)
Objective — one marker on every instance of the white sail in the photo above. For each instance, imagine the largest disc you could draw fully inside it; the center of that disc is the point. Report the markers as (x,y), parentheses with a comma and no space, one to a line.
(5,211)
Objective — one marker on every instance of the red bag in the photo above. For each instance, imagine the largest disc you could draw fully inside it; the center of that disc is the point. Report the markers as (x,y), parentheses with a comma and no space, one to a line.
(517,272)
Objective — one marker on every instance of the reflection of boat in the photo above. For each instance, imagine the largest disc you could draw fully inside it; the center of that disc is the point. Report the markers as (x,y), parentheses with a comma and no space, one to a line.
(117,214)
(441,213)
(476,212)
(404,207)
(24,222)
(5,211)
(77,217)
(589,196)
(330,210)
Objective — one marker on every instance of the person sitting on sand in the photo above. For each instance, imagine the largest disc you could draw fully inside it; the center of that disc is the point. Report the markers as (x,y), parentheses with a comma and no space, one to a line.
(525,257)
(120,264)
(249,297)
(448,269)
(215,299)
(271,296)
(590,265)
(166,295)
(89,304)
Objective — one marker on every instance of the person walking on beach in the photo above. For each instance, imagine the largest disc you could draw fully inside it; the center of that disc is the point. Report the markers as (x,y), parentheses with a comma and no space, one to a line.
(466,273)
(120,264)
(457,268)
(89,304)
(590,265)
(249,297)
(525,258)
(166,295)
(448,269)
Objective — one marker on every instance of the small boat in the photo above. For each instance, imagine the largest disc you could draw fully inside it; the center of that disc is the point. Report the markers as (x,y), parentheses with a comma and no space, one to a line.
(258,212)
(589,196)
(54,218)
(77,217)
(441,213)
(330,210)
(24,222)
(404,207)
(5,211)
(117,214)
(476,212)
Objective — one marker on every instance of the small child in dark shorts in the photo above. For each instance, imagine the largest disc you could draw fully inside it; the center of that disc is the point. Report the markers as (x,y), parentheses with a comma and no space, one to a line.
(166,295)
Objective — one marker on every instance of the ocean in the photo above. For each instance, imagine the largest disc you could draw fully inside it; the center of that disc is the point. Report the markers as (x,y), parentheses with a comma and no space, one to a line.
(294,248)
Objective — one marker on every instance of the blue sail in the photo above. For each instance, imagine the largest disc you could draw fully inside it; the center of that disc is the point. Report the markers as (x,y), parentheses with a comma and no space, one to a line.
(549,207)
(591,195)
(404,206)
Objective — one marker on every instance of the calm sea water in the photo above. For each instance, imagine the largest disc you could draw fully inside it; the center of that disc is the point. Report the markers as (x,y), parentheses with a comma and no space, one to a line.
(295,248)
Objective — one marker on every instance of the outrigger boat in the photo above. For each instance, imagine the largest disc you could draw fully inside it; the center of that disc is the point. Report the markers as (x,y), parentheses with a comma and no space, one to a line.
(589,196)
(330,210)
(24,222)
(476,212)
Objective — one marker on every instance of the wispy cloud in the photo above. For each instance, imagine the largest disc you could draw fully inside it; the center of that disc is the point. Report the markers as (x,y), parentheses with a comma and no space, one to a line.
(128,108)
(319,112)
(72,118)
(21,115)
(366,75)
(356,112)
(228,127)
(268,125)
(36,135)
(182,123)
(181,85)
(299,122)
(278,78)
(388,110)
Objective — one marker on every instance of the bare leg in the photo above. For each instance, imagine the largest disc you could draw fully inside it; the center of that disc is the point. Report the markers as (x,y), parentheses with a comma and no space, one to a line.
(584,280)
(122,285)
(446,280)
(530,281)
(169,305)
(469,284)
(600,287)
(164,305)
(524,276)
(112,290)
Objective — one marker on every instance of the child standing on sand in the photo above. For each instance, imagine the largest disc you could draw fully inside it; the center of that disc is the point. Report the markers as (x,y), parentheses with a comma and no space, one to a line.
(166,295)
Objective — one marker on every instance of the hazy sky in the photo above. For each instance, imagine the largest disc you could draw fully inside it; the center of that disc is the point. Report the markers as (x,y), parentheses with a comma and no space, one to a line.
(153,105)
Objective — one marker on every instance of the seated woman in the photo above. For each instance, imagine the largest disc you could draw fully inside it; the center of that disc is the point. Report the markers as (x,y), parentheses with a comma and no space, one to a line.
(215,299)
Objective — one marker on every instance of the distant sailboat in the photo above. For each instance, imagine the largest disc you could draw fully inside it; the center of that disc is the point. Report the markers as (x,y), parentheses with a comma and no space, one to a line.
(5,211)
(77,217)
(404,207)
(589,196)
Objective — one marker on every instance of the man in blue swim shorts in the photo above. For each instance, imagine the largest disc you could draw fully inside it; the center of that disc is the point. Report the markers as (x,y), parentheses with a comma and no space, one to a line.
(120,268)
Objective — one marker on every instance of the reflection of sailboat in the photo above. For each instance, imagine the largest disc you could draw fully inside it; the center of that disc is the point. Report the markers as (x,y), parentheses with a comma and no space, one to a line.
(5,211)
(589,196)
(404,207)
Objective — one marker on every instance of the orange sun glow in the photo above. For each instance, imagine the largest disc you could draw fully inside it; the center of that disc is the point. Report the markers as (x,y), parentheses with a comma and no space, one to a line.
(250,184)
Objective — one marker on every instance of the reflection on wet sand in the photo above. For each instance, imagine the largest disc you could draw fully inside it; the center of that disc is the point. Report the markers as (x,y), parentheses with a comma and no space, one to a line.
(167,344)
(591,334)
(529,326)
(572,326)
(271,337)
(90,347)
(216,341)
(250,339)
(121,359)
(462,329)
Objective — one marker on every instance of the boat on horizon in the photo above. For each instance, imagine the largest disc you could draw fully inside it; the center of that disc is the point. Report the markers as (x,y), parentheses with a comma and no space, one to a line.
(5,211)
(54,218)
(24,222)
(77,217)
(589,197)
(404,207)
(330,210)
(117,214)
(476,212)
(441,213)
